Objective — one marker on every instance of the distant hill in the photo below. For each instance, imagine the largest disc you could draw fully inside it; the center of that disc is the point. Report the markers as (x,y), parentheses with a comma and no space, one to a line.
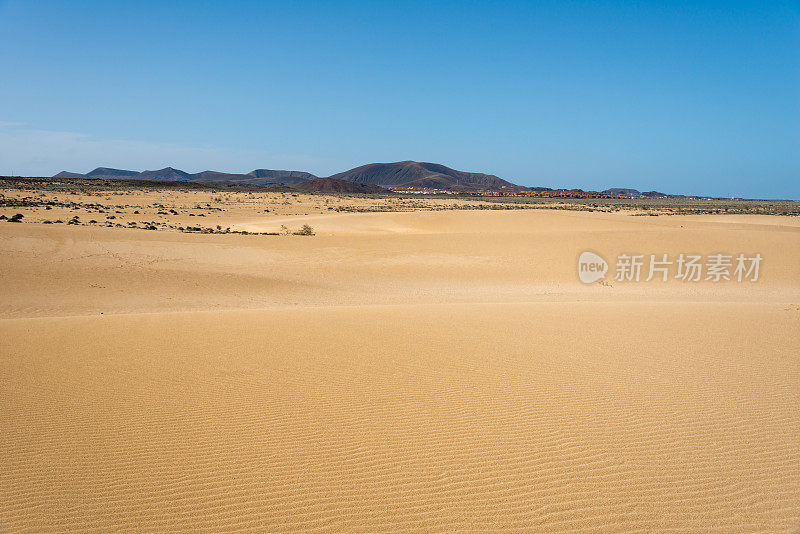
(105,172)
(283,177)
(622,192)
(170,174)
(635,193)
(383,175)
(67,174)
(419,174)
(399,174)
(334,185)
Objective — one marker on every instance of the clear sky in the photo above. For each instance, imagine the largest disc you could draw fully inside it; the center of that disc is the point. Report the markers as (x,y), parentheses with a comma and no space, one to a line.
(680,97)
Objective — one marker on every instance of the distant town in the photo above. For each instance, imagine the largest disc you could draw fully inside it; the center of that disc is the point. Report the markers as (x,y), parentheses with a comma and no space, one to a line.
(548,193)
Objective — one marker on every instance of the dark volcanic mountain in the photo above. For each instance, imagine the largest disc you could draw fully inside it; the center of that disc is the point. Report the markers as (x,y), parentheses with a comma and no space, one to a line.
(400,174)
(622,191)
(357,180)
(635,193)
(332,185)
(105,172)
(416,174)
(67,174)
(216,176)
(169,174)
(282,177)
(166,174)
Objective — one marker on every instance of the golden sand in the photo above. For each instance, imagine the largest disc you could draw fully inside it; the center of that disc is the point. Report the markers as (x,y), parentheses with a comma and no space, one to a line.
(418,371)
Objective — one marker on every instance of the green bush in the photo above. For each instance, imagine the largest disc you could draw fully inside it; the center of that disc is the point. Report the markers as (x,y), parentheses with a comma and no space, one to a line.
(305,230)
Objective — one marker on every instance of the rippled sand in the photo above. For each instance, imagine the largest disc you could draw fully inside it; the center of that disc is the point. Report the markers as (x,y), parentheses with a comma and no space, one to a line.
(440,371)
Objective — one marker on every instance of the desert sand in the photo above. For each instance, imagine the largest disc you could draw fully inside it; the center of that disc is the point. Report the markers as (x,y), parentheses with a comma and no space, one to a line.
(398,371)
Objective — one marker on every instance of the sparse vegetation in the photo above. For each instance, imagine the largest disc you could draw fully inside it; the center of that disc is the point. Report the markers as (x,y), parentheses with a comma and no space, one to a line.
(305,230)
(145,205)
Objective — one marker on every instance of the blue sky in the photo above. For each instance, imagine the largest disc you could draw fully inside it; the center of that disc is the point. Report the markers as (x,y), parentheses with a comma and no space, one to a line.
(681,97)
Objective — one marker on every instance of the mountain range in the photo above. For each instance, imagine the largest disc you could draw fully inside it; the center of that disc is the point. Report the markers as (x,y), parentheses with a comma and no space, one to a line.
(170,174)
(416,174)
(370,178)
(384,175)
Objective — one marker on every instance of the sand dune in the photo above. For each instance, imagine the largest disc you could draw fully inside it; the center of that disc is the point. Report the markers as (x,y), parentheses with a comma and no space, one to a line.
(445,256)
(440,371)
(405,417)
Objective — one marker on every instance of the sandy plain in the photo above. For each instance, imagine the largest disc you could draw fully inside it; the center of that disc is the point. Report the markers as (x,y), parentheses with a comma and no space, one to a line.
(410,370)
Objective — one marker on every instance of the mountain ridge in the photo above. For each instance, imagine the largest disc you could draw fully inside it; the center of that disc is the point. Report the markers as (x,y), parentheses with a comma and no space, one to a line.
(398,174)
(401,174)
(422,174)
(171,174)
